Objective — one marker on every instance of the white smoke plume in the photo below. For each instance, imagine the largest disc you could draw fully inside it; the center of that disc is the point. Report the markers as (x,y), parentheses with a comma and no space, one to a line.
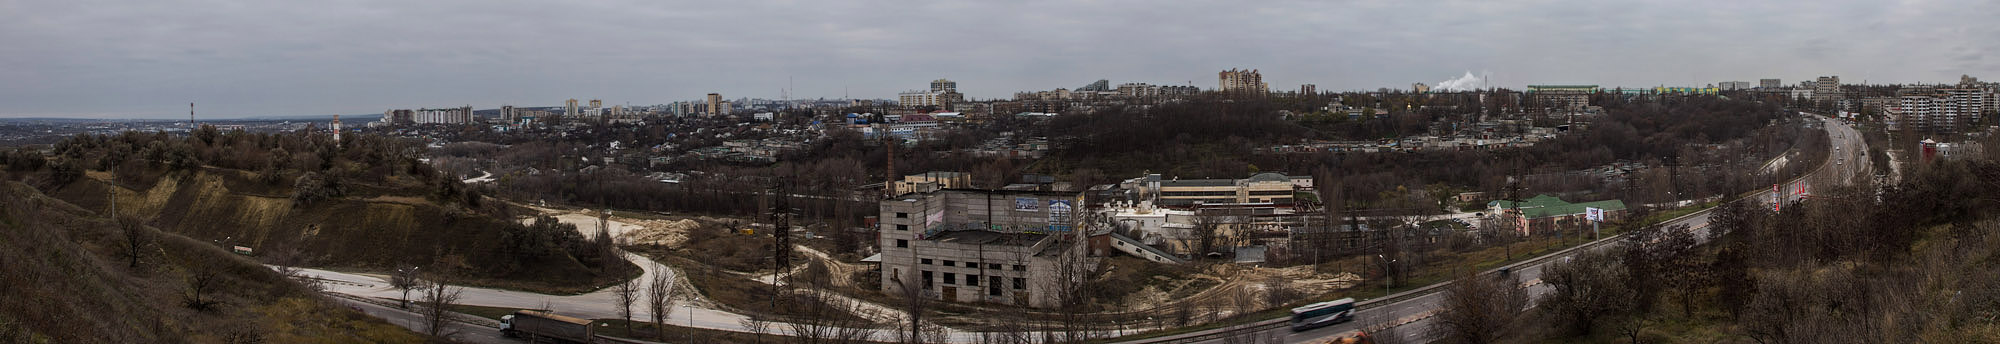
(1465,83)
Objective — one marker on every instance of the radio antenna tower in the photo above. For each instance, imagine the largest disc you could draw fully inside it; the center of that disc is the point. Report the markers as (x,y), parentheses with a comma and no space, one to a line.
(190,115)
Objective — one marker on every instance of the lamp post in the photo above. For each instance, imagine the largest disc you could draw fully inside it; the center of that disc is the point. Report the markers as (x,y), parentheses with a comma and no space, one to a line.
(1386,274)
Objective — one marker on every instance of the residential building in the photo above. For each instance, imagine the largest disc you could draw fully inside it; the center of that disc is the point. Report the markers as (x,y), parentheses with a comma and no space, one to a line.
(715,107)
(458,115)
(1096,86)
(1008,247)
(1564,97)
(1770,83)
(1421,88)
(1544,213)
(942,94)
(570,110)
(1308,89)
(1945,110)
(398,117)
(1733,85)
(1242,82)
(1827,88)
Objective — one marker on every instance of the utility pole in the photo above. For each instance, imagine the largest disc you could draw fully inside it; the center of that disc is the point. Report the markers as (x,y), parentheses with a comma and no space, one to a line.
(781,233)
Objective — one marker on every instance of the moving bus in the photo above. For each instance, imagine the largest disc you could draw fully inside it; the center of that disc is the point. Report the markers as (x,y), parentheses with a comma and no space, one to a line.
(1321,314)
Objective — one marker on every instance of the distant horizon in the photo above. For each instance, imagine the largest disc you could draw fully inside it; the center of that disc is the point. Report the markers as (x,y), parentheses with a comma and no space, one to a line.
(342,57)
(1405,88)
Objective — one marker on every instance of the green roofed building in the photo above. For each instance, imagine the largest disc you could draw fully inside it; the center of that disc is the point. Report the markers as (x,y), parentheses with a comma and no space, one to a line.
(1545,213)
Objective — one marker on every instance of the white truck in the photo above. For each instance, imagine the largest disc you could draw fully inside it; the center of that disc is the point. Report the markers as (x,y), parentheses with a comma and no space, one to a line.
(545,327)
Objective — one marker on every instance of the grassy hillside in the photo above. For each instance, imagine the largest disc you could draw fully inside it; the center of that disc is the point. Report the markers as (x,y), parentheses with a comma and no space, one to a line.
(67,279)
(372,231)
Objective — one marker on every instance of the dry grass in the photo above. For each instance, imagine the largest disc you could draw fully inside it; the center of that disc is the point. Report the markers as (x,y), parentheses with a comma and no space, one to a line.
(65,284)
(373,231)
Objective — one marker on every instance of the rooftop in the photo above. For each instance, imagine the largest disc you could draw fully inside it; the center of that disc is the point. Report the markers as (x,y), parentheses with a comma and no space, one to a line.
(1545,206)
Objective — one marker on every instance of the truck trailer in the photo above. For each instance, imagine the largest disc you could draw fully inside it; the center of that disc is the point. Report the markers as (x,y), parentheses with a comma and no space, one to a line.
(545,327)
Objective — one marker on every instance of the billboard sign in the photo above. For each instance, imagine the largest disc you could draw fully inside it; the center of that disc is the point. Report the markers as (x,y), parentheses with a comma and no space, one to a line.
(1027,204)
(1594,214)
(1059,214)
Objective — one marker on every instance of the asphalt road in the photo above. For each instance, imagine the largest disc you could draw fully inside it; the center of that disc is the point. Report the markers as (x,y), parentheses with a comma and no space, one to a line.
(464,332)
(1410,321)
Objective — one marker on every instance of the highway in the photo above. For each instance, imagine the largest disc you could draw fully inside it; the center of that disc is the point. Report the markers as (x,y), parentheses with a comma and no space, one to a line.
(1410,321)
(462,332)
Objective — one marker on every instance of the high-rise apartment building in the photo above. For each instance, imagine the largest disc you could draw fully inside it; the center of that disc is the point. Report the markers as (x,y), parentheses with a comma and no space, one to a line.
(1308,89)
(1939,111)
(715,107)
(1242,82)
(1827,88)
(1770,83)
(570,110)
(942,94)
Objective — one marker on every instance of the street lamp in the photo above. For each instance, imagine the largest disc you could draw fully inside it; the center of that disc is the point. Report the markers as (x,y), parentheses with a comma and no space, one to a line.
(1386,275)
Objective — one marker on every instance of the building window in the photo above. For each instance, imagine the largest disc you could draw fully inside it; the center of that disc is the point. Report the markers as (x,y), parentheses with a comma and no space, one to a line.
(995,266)
(902,227)
(902,215)
(902,243)
(926,261)
(1019,283)
(993,285)
(972,280)
(927,279)
(950,278)
(949,262)
(1020,267)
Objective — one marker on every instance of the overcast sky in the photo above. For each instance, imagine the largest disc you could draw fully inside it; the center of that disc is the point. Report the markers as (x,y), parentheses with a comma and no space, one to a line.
(123,59)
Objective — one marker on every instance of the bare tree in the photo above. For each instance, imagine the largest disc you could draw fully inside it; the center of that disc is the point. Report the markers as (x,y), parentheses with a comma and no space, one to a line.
(138,239)
(1205,235)
(405,279)
(934,333)
(1065,286)
(660,299)
(1634,325)
(1478,309)
(827,317)
(1278,291)
(915,301)
(756,327)
(628,294)
(287,261)
(439,295)
(1588,288)
(202,277)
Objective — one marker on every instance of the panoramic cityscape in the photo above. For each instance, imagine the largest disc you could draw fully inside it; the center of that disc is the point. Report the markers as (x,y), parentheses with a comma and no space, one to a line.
(1043,172)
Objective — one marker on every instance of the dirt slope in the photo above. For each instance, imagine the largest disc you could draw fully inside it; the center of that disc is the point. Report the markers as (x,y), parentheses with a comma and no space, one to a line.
(66,281)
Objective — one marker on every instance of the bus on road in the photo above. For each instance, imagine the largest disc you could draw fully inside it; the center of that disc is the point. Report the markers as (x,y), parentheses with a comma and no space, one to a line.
(1321,314)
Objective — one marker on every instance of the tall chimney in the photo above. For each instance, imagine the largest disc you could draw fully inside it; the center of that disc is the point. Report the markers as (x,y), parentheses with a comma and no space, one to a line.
(889,188)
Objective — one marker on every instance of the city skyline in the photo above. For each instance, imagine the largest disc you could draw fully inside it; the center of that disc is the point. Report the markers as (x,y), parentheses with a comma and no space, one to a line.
(148,59)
